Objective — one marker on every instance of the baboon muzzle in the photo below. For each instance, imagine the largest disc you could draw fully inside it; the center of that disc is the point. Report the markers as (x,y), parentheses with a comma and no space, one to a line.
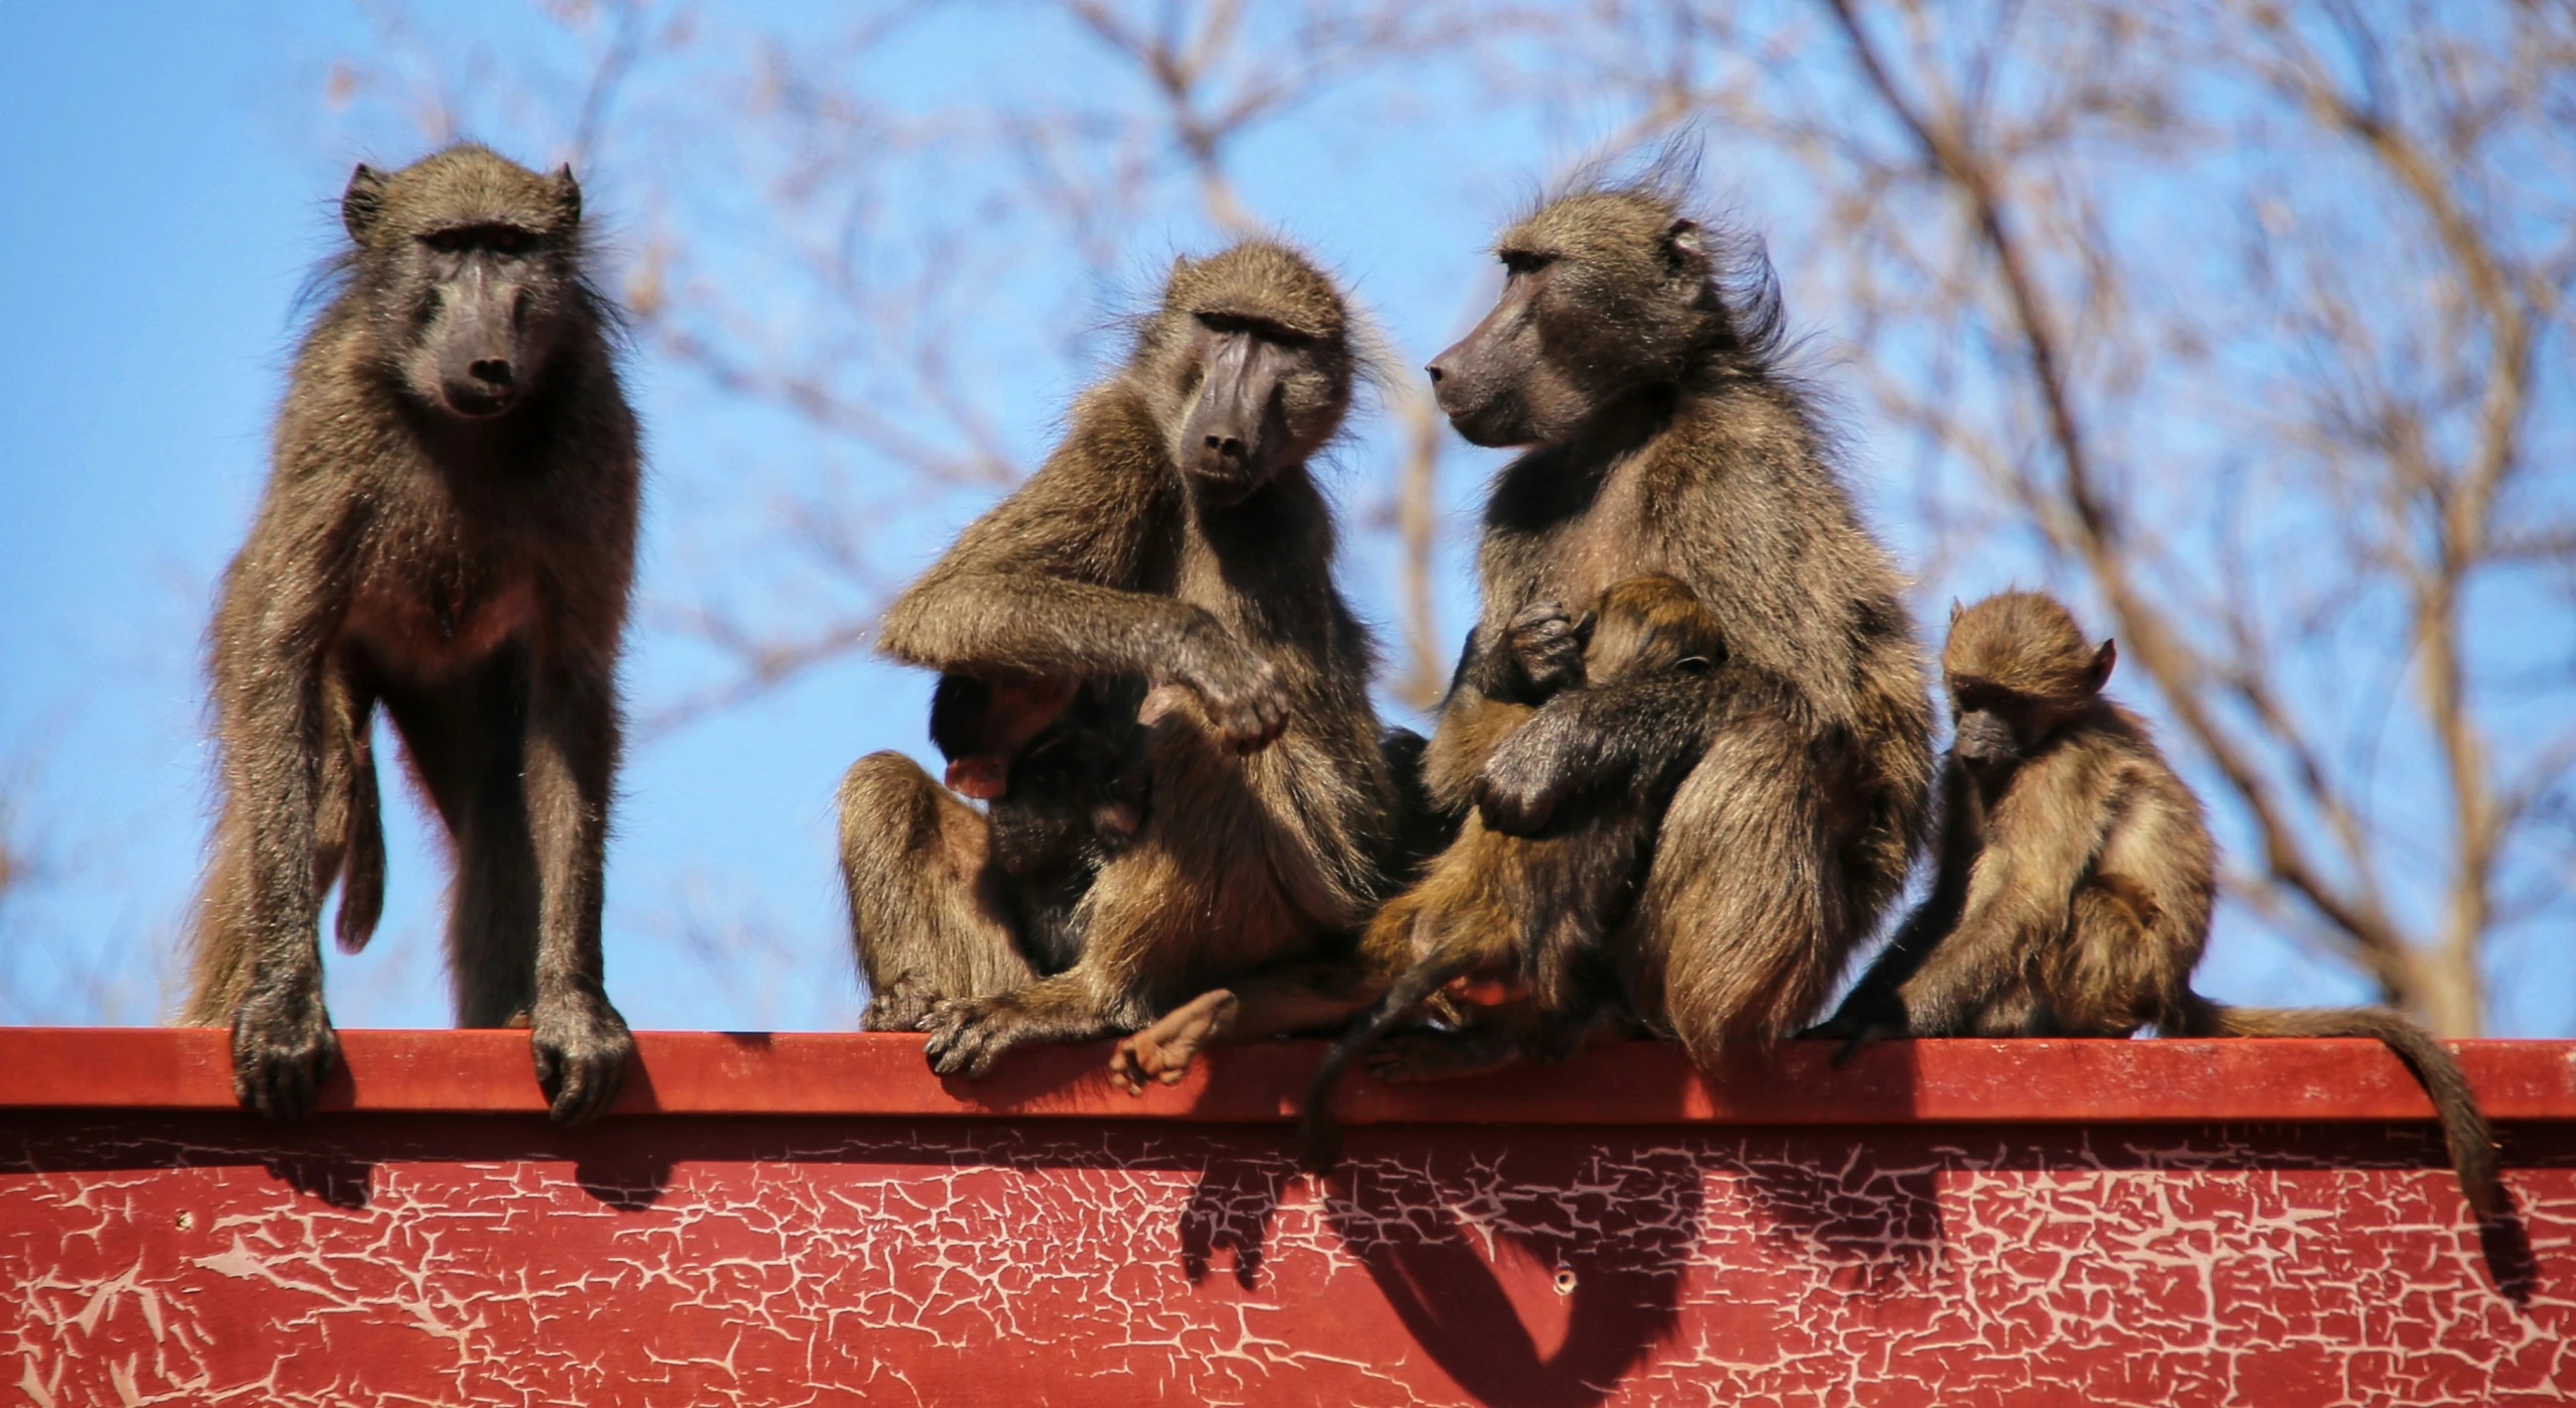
(1237,424)
(1985,740)
(481,368)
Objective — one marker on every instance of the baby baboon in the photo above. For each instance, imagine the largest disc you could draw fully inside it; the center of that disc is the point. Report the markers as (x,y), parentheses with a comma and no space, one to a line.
(1516,918)
(2077,877)
(448,530)
(1061,764)
(1640,354)
(1174,541)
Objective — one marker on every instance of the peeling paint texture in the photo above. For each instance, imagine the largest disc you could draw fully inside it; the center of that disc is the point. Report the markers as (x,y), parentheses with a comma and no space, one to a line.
(202,1257)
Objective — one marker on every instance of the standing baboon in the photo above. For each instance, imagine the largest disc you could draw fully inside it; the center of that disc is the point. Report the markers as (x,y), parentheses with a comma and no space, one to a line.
(1644,367)
(2077,876)
(1174,540)
(448,530)
(1516,918)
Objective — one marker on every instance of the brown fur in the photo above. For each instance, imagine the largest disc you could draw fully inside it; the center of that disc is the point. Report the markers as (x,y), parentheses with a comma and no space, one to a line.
(1644,368)
(448,530)
(1174,539)
(2077,879)
(1513,923)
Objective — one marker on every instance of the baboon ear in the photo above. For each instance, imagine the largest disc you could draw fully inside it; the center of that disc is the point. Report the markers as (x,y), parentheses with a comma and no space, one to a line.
(567,195)
(2098,673)
(1956,611)
(1684,244)
(363,203)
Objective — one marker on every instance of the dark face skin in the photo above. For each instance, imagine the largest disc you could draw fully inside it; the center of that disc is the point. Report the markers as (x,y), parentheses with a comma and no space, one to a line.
(1260,405)
(1497,385)
(1999,726)
(486,292)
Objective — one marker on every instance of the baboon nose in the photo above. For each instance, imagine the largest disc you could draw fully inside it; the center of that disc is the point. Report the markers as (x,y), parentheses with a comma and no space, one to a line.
(1225,447)
(1437,372)
(491,371)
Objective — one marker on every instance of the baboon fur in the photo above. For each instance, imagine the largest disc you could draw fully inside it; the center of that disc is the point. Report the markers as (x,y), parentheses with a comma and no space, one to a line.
(1175,538)
(1518,916)
(448,530)
(2077,878)
(1640,354)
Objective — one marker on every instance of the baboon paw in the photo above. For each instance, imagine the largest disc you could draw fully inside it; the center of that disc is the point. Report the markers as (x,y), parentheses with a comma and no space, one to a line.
(581,1050)
(898,1009)
(1513,802)
(1162,1053)
(282,1052)
(968,1035)
(1547,641)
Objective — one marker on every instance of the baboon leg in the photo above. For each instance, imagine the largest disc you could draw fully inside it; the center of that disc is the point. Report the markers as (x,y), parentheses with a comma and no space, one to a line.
(923,909)
(1274,1001)
(2109,975)
(349,825)
(465,739)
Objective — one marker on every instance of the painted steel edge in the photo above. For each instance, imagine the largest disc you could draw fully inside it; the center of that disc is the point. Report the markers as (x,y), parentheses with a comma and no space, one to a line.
(1635,1083)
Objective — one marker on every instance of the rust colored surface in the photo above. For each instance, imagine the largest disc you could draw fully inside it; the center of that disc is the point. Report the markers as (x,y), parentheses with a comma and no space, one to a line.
(814,1219)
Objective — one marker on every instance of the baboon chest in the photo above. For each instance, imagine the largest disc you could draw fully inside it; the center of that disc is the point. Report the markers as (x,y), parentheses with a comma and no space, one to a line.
(1605,542)
(432,614)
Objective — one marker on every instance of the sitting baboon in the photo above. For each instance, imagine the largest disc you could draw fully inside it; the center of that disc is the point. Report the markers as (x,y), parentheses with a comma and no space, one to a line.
(1515,920)
(1175,541)
(448,530)
(1640,354)
(2076,880)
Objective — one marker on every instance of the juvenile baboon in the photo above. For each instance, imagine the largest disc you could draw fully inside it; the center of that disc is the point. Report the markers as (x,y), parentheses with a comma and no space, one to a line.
(1176,542)
(1061,762)
(1515,920)
(448,530)
(2076,880)
(1640,354)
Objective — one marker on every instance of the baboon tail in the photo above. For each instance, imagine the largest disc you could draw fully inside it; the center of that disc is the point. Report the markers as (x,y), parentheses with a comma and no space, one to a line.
(2464,1129)
(1319,1135)
(362,869)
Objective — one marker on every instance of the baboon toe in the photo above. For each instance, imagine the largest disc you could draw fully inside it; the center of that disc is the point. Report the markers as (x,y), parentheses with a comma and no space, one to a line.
(581,1053)
(279,1063)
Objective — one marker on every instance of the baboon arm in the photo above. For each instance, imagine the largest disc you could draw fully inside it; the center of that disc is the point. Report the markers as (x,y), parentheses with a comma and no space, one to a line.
(1874,996)
(2016,899)
(1632,739)
(1045,625)
(581,1043)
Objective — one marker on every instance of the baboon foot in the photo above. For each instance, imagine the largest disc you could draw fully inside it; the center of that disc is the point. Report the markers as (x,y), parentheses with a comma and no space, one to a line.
(1163,1051)
(582,1047)
(967,1035)
(902,1007)
(1431,1055)
(283,1047)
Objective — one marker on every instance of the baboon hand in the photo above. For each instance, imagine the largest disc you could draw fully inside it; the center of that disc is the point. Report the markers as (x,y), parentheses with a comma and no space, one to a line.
(582,1047)
(902,1007)
(1519,790)
(283,1047)
(1863,1021)
(1547,642)
(1246,705)
(967,1035)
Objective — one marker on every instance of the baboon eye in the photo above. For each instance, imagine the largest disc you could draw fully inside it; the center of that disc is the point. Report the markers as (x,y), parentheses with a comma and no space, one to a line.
(1517,262)
(509,241)
(1694,664)
(444,241)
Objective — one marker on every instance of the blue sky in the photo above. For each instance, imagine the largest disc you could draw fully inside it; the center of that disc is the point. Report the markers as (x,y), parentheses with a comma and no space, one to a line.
(174,178)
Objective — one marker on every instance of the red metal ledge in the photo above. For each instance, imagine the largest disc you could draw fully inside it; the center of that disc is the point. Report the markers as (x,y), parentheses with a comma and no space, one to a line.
(1637,1083)
(815,1219)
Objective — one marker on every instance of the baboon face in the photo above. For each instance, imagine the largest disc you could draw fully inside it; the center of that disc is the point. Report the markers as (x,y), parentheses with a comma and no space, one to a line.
(2017,668)
(472,258)
(1253,348)
(1604,293)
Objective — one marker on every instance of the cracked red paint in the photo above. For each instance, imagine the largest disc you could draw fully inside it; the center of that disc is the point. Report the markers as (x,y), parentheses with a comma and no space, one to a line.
(192,1255)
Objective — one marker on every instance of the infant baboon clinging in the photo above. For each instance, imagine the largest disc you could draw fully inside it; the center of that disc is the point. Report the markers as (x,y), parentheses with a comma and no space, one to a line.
(1544,871)
(1176,542)
(448,530)
(2076,879)
(1644,366)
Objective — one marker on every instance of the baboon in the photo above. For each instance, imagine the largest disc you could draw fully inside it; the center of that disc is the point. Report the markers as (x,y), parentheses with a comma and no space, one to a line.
(1061,763)
(449,531)
(1174,542)
(1640,353)
(1515,920)
(2076,880)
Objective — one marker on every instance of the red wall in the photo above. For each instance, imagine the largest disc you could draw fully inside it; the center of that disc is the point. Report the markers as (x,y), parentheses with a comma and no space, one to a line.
(815,1219)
